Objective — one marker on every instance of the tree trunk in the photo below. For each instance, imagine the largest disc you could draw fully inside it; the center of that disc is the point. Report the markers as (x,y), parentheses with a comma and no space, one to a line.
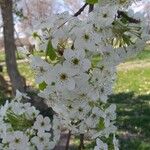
(16,79)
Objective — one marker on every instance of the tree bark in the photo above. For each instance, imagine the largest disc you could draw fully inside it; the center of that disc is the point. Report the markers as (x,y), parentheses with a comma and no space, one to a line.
(16,79)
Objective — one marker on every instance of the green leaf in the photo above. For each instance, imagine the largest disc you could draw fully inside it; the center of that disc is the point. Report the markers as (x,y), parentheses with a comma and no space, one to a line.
(101,124)
(91,1)
(50,51)
(35,35)
(42,86)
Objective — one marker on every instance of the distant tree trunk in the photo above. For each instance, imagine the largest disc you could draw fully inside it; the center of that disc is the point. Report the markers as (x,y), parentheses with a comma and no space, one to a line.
(16,79)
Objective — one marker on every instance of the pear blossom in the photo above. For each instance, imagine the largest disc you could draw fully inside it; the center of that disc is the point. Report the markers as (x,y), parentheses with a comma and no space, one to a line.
(100,145)
(22,128)
(41,141)
(63,78)
(76,60)
(110,114)
(116,143)
(18,141)
(42,124)
(104,16)
(84,40)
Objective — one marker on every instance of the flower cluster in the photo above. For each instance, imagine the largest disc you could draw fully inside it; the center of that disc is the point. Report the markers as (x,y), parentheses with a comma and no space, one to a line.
(79,82)
(81,71)
(22,127)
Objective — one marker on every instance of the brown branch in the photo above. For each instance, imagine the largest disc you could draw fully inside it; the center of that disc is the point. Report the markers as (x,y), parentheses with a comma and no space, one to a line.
(130,19)
(68,141)
(81,146)
(91,7)
(80,10)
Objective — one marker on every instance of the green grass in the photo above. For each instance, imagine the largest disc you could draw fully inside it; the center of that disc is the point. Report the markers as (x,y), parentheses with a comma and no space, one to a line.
(137,80)
(133,120)
(2,56)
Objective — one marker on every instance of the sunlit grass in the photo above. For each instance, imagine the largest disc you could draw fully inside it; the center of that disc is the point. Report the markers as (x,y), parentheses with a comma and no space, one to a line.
(137,80)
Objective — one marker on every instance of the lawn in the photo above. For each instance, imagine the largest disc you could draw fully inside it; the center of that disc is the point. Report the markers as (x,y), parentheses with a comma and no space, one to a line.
(132,96)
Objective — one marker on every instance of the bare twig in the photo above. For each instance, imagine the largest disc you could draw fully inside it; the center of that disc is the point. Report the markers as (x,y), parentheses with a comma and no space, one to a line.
(91,7)
(68,141)
(81,146)
(80,10)
(130,19)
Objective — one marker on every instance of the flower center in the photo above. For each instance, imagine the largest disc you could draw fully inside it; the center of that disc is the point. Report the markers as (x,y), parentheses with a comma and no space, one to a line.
(42,123)
(41,139)
(63,76)
(80,109)
(93,115)
(75,61)
(86,37)
(70,107)
(105,15)
(17,140)
(42,69)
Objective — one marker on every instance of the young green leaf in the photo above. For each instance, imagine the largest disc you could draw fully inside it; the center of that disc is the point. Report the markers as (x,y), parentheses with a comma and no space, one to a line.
(50,51)
(91,1)
(42,86)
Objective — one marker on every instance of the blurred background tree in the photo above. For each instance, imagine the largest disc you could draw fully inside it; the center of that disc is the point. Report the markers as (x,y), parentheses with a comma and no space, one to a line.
(9,43)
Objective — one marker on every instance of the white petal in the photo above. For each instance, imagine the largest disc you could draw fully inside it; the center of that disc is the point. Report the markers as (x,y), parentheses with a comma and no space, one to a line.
(86,64)
(68,54)
(71,84)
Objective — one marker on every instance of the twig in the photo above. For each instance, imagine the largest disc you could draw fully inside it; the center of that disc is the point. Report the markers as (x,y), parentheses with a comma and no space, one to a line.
(68,140)
(91,7)
(80,10)
(81,146)
(130,19)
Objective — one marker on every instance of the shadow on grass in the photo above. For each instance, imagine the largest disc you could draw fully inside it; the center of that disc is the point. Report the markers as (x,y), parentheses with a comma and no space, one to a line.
(133,120)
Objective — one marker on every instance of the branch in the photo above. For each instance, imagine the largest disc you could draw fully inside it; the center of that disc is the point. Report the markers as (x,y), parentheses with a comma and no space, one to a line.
(68,140)
(91,7)
(130,19)
(80,10)
(81,146)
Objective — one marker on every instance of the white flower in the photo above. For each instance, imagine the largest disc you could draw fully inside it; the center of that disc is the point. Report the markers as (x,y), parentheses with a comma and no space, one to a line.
(16,107)
(3,109)
(84,40)
(63,77)
(105,132)
(95,116)
(58,35)
(18,141)
(41,67)
(110,114)
(41,141)
(79,109)
(19,96)
(31,112)
(104,15)
(42,124)
(3,128)
(76,59)
(100,145)
(116,143)
(56,128)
